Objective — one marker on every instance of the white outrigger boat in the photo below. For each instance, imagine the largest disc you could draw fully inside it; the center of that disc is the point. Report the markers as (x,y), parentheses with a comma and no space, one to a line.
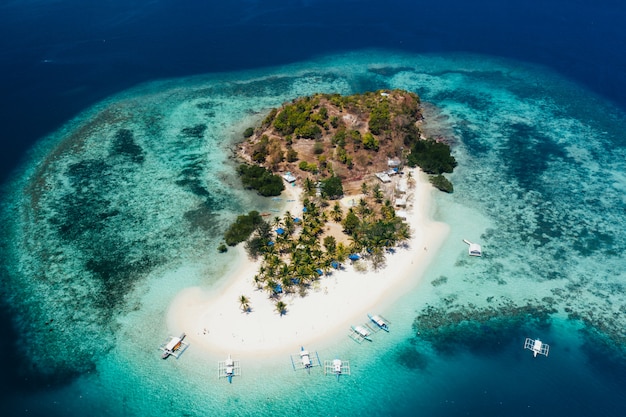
(536,346)
(306,361)
(380,321)
(228,369)
(361,332)
(175,347)
(337,367)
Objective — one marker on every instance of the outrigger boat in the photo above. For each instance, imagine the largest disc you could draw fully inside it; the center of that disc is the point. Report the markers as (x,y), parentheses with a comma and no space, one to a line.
(537,347)
(228,369)
(362,332)
(337,367)
(175,346)
(306,360)
(380,322)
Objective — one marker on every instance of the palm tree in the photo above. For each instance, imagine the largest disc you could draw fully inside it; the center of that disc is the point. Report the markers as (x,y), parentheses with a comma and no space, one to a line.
(244,303)
(336,213)
(309,186)
(378,193)
(403,233)
(258,281)
(276,222)
(363,208)
(364,188)
(410,180)
(281,308)
(387,211)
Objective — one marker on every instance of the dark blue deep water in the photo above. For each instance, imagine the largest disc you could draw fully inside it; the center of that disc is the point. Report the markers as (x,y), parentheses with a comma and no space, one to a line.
(59,57)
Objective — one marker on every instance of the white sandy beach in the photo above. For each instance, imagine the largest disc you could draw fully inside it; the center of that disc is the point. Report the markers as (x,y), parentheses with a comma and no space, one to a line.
(213,320)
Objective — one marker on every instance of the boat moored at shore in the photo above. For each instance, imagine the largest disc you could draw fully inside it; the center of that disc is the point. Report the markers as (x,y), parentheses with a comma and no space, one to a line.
(175,346)
(380,321)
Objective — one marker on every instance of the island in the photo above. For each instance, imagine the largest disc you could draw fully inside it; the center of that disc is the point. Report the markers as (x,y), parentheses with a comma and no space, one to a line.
(355,231)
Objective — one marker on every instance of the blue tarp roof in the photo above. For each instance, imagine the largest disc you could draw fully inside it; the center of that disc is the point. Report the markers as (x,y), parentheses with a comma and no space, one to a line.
(297,220)
(270,243)
(354,257)
(278,289)
(319,271)
(304,209)
(280,231)
(334,264)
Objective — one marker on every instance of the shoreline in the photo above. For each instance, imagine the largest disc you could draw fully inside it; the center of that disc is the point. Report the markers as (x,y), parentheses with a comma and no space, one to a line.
(214,321)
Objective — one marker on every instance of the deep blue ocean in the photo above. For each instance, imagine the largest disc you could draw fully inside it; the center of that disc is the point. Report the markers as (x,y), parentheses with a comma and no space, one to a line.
(60,57)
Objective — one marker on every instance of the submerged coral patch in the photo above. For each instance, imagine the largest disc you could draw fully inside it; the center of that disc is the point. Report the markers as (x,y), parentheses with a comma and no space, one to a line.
(480,330)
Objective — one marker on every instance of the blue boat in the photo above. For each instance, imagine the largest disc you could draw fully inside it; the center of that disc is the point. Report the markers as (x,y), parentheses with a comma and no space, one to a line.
(379,321)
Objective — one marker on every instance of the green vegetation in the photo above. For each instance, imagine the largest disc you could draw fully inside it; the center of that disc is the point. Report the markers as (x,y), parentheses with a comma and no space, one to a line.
(297,118)
(432,157)
(441,183)
(305,166)
(331,188)
(301,253)
(243,227)
(260,179)
(244,303)
(222,248)
(248,132)
(281,308)
(370,142)
(380,118)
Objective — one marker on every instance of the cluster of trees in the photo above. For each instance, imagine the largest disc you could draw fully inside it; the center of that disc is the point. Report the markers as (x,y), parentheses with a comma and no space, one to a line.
(303,118)
(258,178)
(380,118)
(331,187)
(243,226)
(294,254)
(433,158)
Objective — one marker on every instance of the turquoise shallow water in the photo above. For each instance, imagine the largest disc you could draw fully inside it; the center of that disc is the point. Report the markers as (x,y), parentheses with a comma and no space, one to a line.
(125,205)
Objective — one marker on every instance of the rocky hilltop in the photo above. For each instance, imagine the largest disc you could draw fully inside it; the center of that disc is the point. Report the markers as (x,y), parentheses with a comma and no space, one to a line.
(327,135)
